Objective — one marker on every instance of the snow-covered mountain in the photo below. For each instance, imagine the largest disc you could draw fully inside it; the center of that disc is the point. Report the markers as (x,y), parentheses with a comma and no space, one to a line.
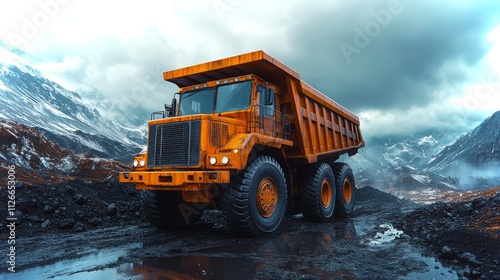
(87,125)
(410,153)
(426,166)
(478,148)
(474,157)
(398,165)
(396,154)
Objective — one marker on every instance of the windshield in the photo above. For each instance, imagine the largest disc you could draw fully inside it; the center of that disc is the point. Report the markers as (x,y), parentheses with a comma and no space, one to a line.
(233,97)
(197,102)
(230,97)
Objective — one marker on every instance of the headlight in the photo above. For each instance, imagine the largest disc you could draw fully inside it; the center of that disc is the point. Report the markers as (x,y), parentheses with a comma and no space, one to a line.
(135,163)
(142,162)
(225,160)
(213,160)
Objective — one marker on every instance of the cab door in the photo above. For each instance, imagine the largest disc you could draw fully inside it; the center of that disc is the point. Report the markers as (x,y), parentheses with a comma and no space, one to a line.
(267,112)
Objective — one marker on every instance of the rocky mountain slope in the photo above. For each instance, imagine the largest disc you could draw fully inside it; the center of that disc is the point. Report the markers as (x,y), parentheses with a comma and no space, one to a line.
(426,169)
(475,157)
(398,166)
(480,147)
(38,160)
(80,124)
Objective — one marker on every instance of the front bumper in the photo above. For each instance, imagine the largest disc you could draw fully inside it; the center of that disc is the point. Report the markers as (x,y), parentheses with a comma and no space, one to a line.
(175,180)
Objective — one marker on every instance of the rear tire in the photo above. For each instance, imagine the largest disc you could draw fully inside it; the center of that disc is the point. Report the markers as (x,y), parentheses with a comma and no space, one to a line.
(255,202)
(167,209)
(317,193)
(346,189)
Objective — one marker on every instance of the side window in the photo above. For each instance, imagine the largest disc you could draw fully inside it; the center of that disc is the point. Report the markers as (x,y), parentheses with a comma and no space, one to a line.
(266,101)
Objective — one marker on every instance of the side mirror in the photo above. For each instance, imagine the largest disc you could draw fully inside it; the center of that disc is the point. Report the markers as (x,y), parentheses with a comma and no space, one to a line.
(173,107)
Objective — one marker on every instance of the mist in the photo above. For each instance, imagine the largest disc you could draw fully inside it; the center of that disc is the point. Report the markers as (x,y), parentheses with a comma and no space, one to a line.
(472,177)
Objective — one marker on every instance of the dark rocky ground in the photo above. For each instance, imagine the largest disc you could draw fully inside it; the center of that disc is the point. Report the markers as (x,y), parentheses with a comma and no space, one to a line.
(70,220)
(464,233)
(75,206)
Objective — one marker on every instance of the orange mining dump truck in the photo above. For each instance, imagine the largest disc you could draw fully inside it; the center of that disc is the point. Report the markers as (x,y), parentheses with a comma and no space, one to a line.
(247,136)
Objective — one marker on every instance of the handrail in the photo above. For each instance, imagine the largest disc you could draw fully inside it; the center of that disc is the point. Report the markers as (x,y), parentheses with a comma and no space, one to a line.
(269,122)
(153,115)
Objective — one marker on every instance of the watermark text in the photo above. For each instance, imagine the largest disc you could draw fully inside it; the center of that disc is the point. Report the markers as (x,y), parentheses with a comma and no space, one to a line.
(32,25)
(373,28)
(11,218)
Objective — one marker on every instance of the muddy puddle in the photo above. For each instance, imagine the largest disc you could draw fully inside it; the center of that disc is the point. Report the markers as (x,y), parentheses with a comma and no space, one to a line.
(86,265)
(358,248)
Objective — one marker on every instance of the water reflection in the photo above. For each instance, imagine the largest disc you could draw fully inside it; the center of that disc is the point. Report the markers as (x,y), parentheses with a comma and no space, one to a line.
(255,257)
(196,267)
(305,249)
(203,267)
(294,241)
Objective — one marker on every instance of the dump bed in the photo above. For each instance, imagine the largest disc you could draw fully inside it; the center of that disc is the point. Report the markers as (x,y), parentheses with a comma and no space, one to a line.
(321,128)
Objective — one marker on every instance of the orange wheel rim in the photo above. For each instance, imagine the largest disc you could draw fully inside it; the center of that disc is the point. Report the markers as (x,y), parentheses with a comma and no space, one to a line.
(267,197)
(326,193)
(347,190)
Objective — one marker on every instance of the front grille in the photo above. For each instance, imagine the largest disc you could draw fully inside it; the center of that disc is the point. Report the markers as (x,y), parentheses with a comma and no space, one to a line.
(219,134)
(174,144)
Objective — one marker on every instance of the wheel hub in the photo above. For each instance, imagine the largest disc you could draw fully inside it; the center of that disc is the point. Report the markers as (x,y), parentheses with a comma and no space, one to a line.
(267,196)
(347,190)
(326,193)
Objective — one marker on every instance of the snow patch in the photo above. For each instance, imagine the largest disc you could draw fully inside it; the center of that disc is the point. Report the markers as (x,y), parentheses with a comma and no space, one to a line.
(390,234)
(427,140)
(9,131)
(3,87)
(66,164)
(421,178)
(45,161)
(450,186)
(56,112)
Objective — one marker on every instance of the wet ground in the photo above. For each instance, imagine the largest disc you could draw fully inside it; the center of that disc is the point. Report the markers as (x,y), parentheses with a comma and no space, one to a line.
(366,246)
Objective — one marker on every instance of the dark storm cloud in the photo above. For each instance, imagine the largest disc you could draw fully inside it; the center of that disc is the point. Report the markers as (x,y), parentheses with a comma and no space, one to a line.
(389,54)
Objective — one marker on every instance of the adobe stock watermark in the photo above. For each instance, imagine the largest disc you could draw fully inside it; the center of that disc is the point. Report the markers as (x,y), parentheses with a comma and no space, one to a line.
(149,83)
(11,218)
(32,25)
(373,28)
(224,6)
(482,94)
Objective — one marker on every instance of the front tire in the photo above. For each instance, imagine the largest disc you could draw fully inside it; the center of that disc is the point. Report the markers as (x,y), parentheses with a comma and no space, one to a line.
(167,209)
(317,193)
(346,189)
(254,203)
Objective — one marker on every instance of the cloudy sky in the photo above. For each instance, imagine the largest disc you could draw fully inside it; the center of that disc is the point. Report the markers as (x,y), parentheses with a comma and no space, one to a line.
(406,67)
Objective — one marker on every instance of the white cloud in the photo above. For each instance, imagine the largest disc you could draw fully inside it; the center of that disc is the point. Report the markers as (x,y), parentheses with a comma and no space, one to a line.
(494,54)
(432,119)
(483,96)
